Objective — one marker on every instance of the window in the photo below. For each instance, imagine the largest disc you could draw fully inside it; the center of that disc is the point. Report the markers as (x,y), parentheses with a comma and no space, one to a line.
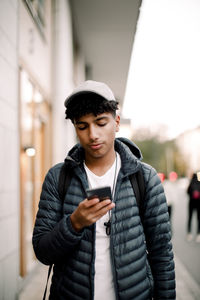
(37,11)
(35,160)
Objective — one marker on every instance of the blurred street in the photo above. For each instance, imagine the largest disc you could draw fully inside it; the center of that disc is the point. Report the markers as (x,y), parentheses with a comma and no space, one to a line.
(186,255)
(187,252)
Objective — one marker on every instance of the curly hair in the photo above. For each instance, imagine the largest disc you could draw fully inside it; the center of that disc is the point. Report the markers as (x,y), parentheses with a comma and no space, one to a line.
(87,103)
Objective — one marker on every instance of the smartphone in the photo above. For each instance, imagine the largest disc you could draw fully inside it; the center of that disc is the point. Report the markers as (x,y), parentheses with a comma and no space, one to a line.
(102,193)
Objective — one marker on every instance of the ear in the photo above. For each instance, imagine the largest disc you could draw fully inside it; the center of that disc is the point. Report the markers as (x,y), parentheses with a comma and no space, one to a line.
(117,122)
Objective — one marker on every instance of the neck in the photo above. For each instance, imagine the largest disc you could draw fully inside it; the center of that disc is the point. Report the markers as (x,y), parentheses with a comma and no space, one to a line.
(100,166)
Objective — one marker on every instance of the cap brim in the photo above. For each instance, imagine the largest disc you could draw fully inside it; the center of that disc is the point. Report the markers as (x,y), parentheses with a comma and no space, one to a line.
(75,95)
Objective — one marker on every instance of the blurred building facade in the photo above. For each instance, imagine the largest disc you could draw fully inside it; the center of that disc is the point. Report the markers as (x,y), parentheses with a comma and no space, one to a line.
(9,181)
(189,145)
(40,63)
(37,72)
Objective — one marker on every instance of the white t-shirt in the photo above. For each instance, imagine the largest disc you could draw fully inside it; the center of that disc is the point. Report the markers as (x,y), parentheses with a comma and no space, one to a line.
(103,283)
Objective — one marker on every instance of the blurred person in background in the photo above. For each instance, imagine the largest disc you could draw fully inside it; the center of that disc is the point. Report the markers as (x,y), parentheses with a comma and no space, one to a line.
(193,206)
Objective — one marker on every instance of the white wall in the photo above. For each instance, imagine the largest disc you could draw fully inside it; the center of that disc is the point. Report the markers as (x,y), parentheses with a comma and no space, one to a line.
(21,42)
(34,51)
(62,80)
(9,154)
(50,63)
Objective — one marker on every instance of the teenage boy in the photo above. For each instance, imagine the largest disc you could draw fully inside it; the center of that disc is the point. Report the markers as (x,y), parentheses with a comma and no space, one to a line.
(102,248)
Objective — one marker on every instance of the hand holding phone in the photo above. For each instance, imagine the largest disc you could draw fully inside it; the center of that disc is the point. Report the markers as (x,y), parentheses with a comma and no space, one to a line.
(88,212)
(102,193)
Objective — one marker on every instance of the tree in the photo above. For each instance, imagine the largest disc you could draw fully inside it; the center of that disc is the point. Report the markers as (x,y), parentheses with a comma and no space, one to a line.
(163,155)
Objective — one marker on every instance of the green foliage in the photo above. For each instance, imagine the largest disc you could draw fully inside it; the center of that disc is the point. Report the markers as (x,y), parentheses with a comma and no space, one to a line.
(164,156)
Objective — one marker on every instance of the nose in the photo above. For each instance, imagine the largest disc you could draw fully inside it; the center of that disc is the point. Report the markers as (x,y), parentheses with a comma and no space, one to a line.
(93,133)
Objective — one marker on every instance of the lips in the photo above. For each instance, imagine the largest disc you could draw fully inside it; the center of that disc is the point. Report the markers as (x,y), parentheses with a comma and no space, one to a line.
(95,146)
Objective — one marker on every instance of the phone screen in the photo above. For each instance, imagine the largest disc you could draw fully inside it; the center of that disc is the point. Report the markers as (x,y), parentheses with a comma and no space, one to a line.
(102,193)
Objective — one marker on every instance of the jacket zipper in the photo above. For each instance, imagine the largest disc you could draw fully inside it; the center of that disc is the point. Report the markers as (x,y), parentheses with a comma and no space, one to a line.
(113,265)
(111,250)
(93,262)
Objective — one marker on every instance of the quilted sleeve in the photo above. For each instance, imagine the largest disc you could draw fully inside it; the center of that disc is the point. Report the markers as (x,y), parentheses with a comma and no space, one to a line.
(53,235)
(158,238)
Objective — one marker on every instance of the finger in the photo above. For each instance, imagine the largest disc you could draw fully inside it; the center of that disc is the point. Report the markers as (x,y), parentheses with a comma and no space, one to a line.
(91,202)
(103,204)
(101,207)
(103,211)
(108,207)
(88,203)
(94,215)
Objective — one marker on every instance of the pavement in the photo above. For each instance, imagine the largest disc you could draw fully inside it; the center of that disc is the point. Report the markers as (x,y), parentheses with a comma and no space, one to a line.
(186,287)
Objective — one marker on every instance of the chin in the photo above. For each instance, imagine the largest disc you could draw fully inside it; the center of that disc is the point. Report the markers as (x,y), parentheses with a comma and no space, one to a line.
(97,155)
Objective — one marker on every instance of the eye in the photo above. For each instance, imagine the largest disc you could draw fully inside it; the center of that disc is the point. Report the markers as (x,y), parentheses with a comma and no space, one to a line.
(102,124)
(82,127)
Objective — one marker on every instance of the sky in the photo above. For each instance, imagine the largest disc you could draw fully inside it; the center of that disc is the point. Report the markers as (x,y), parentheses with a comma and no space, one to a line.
(163,87)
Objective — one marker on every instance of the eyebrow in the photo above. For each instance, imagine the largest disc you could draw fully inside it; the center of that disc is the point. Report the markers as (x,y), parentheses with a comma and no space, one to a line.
(96,120)
(79,122)
(101,118)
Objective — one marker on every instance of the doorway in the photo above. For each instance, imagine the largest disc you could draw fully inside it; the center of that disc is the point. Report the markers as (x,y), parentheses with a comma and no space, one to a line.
(35,160)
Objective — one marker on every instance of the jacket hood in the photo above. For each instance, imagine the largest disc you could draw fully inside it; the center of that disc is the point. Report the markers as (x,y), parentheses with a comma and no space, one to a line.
(129,152)
(132,147)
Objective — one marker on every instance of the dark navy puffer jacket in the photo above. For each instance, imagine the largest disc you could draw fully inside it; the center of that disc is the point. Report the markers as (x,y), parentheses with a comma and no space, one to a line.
(73,254)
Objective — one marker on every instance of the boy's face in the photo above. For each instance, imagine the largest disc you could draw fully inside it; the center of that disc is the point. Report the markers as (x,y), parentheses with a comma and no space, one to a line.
(97,134)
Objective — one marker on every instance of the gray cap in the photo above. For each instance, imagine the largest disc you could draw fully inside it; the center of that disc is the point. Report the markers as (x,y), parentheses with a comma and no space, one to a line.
(91,86)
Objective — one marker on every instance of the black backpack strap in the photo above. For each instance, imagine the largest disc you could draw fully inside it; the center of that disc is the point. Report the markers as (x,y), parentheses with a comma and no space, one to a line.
(138,184)
(63,183)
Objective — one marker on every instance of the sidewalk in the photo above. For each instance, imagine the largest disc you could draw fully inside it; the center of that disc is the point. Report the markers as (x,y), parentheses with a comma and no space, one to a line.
(186,287)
